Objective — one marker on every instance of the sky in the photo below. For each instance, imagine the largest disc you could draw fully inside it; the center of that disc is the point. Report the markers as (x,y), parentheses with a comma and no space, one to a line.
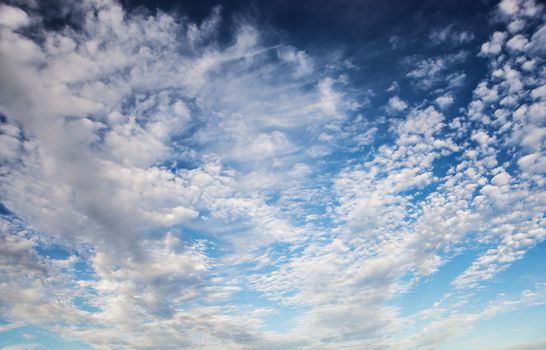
(272,174)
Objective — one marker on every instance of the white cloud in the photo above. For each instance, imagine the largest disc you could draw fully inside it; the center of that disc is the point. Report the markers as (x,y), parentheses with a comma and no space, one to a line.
(444,101)
(516,25)
(517,43)
(13,17)
(396,104)
(509,7)
(431,72)
(538,40)
(301,61)
(494,46)
(533,163)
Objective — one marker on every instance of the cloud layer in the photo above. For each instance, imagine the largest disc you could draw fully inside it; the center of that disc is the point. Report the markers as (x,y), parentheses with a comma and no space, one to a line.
(166,187)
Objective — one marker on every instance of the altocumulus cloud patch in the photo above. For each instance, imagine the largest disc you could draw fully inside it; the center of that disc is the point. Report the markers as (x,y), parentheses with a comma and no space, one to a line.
(266,176)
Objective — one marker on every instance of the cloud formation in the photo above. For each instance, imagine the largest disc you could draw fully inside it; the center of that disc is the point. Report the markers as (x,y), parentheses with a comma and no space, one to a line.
(163,186)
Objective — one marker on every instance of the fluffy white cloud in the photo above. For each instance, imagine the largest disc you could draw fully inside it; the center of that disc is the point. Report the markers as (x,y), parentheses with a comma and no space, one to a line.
(494,46)
(509,7)
(13,17)
(517,43)
(396,104)
(444,101)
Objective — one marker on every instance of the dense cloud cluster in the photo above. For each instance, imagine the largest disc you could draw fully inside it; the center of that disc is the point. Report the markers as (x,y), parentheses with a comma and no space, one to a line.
(165,189)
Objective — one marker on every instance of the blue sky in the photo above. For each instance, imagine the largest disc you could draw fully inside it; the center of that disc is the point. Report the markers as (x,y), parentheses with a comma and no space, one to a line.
(272,175)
